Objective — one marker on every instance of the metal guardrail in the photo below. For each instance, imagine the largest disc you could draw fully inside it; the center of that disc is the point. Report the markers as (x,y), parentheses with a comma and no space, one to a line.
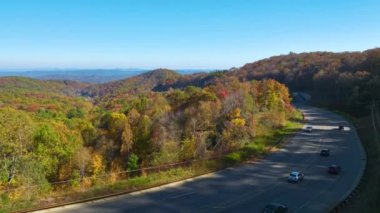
(59,200)
(65,188)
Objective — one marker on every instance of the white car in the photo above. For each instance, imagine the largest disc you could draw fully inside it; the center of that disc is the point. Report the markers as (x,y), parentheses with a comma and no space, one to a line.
(295,177)
(309,129)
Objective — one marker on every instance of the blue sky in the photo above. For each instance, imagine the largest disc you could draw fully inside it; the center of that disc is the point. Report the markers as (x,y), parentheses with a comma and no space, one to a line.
(201,34)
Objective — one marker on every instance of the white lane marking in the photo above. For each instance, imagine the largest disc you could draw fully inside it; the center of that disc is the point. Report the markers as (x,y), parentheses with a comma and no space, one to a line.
(317,195)
(240,199)
(181,195)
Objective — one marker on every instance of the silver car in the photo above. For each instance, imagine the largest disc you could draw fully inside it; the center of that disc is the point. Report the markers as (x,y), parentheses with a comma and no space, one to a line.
(295,177)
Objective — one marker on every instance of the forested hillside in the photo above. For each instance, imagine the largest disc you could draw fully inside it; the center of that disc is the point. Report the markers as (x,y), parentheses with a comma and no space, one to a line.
(22,84)
(135,85)
(346,81)
(52,131)
(41,125)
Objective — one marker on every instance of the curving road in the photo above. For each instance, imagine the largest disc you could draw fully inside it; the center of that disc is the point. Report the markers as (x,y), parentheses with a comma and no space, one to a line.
(250,187)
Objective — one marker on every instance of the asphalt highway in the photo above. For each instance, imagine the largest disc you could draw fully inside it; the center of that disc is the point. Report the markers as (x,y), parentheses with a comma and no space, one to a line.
(250,187)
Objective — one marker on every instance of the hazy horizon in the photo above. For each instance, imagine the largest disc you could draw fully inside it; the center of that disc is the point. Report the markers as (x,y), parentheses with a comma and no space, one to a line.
(96,69)
(47,69)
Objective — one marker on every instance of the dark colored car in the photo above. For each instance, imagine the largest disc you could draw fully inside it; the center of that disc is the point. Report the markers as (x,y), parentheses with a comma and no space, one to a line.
(334,169)
(275,208)
(341,128)
(325,152)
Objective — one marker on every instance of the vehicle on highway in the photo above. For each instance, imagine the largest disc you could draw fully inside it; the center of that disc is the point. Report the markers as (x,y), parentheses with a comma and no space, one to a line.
(334,169)
(275,208)
(341,127)
(309,128)
(295,177)
(325,152)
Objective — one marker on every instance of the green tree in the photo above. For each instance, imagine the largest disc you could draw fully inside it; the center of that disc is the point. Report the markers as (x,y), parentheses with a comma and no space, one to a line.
(168,153)
(16,130)
(51,149)
(142,142)
(75,113)
(133,162)
(116,123)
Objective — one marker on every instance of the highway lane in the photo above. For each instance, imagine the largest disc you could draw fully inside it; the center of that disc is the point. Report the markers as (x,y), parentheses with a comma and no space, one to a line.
(250,187)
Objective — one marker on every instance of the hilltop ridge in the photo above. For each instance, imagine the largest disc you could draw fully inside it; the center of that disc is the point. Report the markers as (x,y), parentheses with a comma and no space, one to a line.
(144,82)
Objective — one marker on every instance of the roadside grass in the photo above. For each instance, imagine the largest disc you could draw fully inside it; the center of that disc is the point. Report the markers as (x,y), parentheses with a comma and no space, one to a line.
(253,150)
(347,116)
(262,144)
(367,198)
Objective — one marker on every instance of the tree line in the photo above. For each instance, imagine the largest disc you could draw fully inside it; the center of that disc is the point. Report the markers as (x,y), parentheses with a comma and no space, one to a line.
(346,81)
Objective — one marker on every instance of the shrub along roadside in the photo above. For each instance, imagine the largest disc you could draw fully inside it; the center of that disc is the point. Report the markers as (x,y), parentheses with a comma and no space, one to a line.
(256,149)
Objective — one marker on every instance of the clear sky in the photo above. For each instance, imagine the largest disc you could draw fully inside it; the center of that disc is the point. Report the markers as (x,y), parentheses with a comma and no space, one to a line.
(176,34)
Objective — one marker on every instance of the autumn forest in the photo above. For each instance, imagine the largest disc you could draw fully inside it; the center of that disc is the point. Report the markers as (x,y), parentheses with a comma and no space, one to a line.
(54,131)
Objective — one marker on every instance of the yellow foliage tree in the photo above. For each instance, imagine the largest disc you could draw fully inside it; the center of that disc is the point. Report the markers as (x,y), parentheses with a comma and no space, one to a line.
(188,149)
(238,122)
(97,164)
(236,113)
(236,118)
(126,139)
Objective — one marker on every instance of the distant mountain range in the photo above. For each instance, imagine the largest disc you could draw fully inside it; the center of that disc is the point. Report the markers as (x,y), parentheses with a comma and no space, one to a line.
(87,75)
(348,81)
